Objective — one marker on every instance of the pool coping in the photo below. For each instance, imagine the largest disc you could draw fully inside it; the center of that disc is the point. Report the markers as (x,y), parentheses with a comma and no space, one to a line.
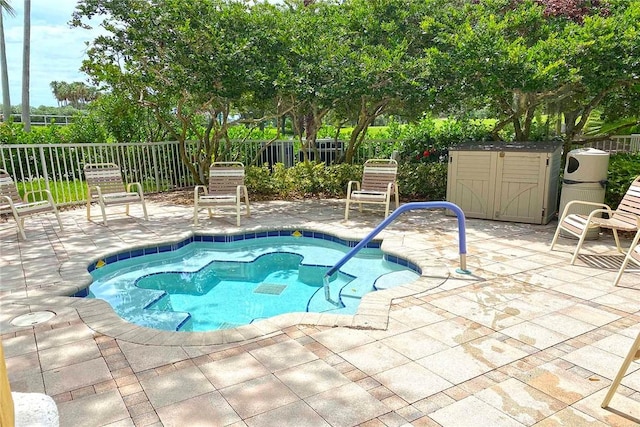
(372,312)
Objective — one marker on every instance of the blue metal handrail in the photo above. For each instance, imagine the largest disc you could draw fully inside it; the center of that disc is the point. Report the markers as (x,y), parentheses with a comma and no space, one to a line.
(462,238)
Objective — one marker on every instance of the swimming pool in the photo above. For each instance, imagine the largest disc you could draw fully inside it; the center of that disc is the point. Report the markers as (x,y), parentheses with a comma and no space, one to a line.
(218,282)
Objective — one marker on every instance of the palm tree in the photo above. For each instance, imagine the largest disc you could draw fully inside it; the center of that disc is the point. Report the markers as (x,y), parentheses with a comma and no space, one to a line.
(6,99)
(26,53)
(56,88)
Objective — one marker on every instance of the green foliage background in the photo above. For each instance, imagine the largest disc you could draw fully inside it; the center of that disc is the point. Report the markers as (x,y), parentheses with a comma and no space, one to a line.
(623,168)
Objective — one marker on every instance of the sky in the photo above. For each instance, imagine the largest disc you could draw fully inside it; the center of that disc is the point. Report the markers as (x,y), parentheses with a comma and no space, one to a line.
(57,51)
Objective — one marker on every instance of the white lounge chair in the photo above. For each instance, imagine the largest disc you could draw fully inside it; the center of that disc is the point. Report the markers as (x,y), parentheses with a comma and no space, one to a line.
(378,184)
(226,188)
(624,218)
(21,207)
(105,186)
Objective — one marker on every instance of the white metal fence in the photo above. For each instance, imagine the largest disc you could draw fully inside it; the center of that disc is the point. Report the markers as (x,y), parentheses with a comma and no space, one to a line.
(156,165)
(618,144)
(45,119)
(58,167)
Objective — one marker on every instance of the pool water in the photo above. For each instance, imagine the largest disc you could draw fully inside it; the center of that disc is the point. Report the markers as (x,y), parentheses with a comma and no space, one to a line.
(205,286)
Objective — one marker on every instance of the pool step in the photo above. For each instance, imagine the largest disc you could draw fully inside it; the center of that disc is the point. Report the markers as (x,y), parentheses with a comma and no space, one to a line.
(395,278)
(166,320)
(357,288)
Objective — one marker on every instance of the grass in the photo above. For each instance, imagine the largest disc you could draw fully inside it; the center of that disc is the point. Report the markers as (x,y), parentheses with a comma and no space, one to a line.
(67,192)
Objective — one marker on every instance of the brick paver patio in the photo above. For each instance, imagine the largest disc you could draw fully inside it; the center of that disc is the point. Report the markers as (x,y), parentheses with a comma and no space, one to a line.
(525,340)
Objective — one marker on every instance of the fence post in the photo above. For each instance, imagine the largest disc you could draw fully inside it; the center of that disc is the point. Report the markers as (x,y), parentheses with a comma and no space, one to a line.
(44,168)
(156,166)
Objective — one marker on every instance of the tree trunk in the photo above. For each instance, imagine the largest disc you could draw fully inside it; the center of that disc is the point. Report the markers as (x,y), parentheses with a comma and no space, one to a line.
(26,53)
(6,99)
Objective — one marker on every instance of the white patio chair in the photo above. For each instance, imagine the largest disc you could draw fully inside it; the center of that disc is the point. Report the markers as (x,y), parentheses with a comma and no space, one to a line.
(378,184)
(226,188)
(105,186)
(624,218)
(21,207)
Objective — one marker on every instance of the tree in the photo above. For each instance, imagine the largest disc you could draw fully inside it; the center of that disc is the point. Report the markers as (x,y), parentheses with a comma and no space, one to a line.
(312,70)
(384,47)
(26,57)
(605,53)
(192,63)
(527,57)
(6,99)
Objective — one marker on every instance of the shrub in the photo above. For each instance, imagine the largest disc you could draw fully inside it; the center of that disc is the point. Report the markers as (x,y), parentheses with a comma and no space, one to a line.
(310,179)
(429,142)
(86,129)
(623,168)
(425,181)
(13,133)
(266,182)
(301,181)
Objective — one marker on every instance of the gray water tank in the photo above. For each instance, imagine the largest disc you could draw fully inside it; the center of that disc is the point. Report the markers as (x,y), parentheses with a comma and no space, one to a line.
(585,179)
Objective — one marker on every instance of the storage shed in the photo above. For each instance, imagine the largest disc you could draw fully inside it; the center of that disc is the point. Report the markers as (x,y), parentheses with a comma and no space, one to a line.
(506,182)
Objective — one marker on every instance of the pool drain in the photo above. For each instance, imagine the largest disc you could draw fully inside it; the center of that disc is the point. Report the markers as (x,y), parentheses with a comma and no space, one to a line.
(33,318)
(269,289)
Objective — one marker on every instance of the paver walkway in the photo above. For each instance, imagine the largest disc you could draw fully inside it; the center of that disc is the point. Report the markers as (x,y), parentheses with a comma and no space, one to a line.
(525,340)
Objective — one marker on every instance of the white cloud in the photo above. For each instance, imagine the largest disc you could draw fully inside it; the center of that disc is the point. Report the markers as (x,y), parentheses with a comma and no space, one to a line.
(57,51)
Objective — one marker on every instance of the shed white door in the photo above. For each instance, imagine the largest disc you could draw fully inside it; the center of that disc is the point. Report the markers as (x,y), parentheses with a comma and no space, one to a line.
(471,182)
(521,178)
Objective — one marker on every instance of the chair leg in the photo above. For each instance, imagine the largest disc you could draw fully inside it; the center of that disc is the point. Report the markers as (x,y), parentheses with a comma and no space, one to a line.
(246,201)
(622,268)
(238,210)
(580,242)
(555,236)
(634,353)
(627,258)
(386,205)
(397,196)
(103,208)
(615,236)
(144,209)
(20,224)
(59,220)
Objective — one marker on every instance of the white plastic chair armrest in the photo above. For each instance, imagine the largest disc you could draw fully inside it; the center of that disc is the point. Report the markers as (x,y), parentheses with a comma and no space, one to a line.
(390,188)
(98,191)
(197,189)
(349,186)
(8,201)
(137,185)
(580,202)
(45,191)
(599,211)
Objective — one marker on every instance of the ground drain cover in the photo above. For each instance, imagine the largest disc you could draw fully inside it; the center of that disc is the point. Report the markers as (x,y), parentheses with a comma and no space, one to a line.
(270,289)
(33,318)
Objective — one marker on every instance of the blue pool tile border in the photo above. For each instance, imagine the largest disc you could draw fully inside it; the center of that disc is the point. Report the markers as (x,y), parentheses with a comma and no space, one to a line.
(225,238)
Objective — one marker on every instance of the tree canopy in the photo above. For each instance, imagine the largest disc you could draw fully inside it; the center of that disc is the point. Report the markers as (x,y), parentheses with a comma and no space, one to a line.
(198,65)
